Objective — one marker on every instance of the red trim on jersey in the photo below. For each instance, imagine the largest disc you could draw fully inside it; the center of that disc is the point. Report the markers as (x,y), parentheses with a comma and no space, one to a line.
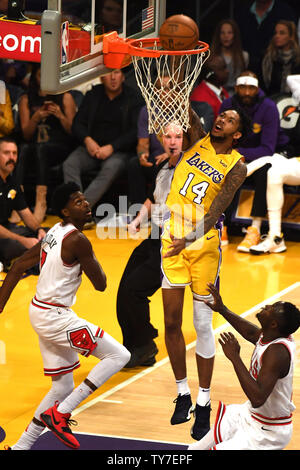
(278,342)
(281,421)
(46,304)
(217,427)
(62,370)
(99,333)
(288,338)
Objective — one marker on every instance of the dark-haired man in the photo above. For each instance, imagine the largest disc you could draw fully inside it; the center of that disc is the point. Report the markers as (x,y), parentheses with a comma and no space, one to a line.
(14,239)
(204,183)
(264,422)
(63,254)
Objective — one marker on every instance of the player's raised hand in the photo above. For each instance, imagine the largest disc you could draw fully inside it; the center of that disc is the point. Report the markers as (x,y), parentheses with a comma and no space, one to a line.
(217,303)
(230,345)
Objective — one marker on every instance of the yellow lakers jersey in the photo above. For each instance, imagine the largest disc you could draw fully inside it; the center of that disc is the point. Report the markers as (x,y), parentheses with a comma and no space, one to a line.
(198,178)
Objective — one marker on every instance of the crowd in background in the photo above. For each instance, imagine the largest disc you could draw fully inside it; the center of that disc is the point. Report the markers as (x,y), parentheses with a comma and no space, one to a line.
(83,136)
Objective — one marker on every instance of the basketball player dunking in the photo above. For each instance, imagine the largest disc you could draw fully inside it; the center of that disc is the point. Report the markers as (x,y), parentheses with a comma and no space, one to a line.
(63,254)
(204,183)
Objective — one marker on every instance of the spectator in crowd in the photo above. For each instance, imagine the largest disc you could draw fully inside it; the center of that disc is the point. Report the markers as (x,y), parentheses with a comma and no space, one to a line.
(211,89)
(257,25)
(6,114)
(106,127)
(45,122)
(142,274)
(14,73)
(227,43)
(15,240)
(265,139)
(281,59)
(282,171)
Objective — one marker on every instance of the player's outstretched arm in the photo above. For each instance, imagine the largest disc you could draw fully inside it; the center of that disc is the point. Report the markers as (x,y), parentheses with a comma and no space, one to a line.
(195,132)
(29,259)
(78,247)
(247,329)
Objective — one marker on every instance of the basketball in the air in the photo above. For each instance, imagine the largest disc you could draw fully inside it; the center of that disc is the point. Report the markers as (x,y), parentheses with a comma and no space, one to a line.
(178,32)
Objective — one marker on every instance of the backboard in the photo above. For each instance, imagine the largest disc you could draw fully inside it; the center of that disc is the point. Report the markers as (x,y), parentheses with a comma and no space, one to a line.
(72,34)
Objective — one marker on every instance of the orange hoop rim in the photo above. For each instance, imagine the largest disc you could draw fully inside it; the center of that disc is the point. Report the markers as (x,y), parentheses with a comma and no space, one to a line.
(141,48)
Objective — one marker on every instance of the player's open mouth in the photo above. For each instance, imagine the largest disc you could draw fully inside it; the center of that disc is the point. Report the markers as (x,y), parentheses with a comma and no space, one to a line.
(217,128)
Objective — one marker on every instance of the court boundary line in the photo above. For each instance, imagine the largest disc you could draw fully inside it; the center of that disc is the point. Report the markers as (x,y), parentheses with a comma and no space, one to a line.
(188,347)
(110,436)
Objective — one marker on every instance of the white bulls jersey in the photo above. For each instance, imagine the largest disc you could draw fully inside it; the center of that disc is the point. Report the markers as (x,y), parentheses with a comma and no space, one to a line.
(278,408)
(58,282)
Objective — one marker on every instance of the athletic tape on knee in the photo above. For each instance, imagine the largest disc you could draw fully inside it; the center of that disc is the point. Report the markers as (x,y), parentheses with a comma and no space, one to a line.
(205,343)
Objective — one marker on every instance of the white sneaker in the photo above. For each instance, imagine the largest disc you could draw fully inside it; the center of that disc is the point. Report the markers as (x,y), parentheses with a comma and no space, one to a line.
(271,244)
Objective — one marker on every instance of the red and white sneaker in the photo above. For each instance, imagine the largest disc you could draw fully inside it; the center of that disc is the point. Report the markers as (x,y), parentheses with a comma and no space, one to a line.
(58,423)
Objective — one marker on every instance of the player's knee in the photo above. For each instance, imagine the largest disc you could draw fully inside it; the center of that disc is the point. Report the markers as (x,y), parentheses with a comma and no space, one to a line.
(275,176)
(172,323)
(205,343)
(123,357)
(62,386)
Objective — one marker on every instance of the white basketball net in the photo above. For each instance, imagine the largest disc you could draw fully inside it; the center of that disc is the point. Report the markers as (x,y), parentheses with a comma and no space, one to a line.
(166,83)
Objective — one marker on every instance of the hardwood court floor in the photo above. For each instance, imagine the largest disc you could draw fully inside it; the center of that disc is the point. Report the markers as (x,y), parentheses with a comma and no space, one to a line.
(137,403)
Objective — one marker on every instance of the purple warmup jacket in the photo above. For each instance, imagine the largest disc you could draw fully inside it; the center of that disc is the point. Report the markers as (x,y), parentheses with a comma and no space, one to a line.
(267,137)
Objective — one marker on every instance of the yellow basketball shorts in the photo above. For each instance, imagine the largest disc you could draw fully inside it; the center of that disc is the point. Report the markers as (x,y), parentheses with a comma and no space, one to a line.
(196,265)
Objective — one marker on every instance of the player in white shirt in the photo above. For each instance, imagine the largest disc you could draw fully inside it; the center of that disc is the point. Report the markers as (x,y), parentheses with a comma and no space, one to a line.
(264,422)
(63,254)
(282,171)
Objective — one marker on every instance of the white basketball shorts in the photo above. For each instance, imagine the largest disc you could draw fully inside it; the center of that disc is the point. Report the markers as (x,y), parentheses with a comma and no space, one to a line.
(62,336)
(235,429)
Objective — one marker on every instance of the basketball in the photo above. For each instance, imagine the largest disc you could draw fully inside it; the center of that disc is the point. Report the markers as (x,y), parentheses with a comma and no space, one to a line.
(178,32)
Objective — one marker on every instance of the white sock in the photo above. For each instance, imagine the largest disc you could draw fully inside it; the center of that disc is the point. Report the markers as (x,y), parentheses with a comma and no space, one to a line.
(75,398)
(203,398)
(182,387)
(256,222)
(29,437)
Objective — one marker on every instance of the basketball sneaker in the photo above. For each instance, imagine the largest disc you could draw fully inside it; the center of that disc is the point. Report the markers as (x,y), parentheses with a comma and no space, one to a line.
(201,425)
(270,244)
(252,238)
(58,423)
(183,409)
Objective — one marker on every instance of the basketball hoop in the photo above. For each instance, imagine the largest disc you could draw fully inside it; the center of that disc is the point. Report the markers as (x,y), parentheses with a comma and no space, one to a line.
(165,78)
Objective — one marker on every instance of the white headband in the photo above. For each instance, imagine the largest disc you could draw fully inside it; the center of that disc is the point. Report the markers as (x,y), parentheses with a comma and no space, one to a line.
(246,80)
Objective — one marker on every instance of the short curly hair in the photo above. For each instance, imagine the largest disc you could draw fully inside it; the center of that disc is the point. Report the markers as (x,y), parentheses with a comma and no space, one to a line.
(61,197)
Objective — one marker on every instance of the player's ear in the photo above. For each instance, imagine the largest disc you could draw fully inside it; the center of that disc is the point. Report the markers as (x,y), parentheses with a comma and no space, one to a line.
(237,135)
(65,212)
